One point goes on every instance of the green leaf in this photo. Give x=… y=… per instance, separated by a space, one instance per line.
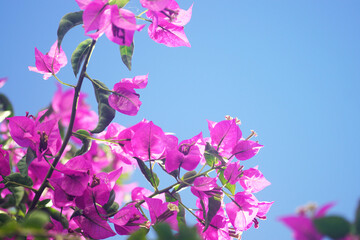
x=120 y=3
x=357 y=220
x=67 y=22
x=224 y=181
x=163 y=231
x=139 y=234
x=23 y=167
x=106 y=113
x=332 y=226
x=126 y=55
x=86 y=142
x=188 y=233
x=24 y=163
x=188 y=178
x=110 y=201
x=79 y=55
x=4 y=218
x=43 y=203
x=55 y=214
x=181 y=216
x=214 y=206
x=153 y=180
x=6 y=108
x=113 y=209
x=18 y=193
x=18 y=178
x=210 y=159
x=212 y=156
x=36 y=220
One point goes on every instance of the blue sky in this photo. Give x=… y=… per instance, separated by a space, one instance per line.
x=288 y=69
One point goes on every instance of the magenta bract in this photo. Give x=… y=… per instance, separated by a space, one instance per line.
x=49 y=63
x=246 y=149
x=148 y=142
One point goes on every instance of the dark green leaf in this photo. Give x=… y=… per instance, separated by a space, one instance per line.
x=18 y=193
x=30 y=156
x=86 y=142
x=110 y=201
x=37 y=220
x=23 y=167
x=357 y=220
x=171 y=197
x=332 y=226
x=188 y=233
x=224 y=181
x=139 y=234
x=106 y=113
x=152 y=178
x=67 y=22
x=4 y=218
x=79 y=55
x=181 y=216
x=120 y=3
x=112 y=210
x=18 y=178
x=126 y=55
x=163 y=231
x=24 y=163
x=188 y=178
x=43 y=203
x=6 y=108
x=55 y=214
x=214 y=206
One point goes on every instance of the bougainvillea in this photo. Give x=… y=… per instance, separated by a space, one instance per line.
x=62 y=169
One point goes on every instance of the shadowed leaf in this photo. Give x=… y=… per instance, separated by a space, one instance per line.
x=67 y=22
x=106 y=113
x=79 y=55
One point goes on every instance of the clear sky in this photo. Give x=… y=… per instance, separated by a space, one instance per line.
x=290 y=70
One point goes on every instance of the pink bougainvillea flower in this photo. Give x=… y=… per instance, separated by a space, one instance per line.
x=75 y=177
x=4 y=162
x=253 y=180
x=243 y=212
x=205 y=187
x=148 y=142
x=102 y=184
x=49 y=63
x=60 y=198
x=168 y=34
x=187 y=155
x=62 y=103
x=302 y=224
x=233 y=172
x=43 y=138
x=128 y=220
x=127 y=100
x=224 y=136
x=138 y=82
x=119 y=25
x=168 y=22
x=163 y=212
x=94 y=225
x=246 y=149
x=3 y=81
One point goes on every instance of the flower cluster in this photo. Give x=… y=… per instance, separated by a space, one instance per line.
x=70 y=163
